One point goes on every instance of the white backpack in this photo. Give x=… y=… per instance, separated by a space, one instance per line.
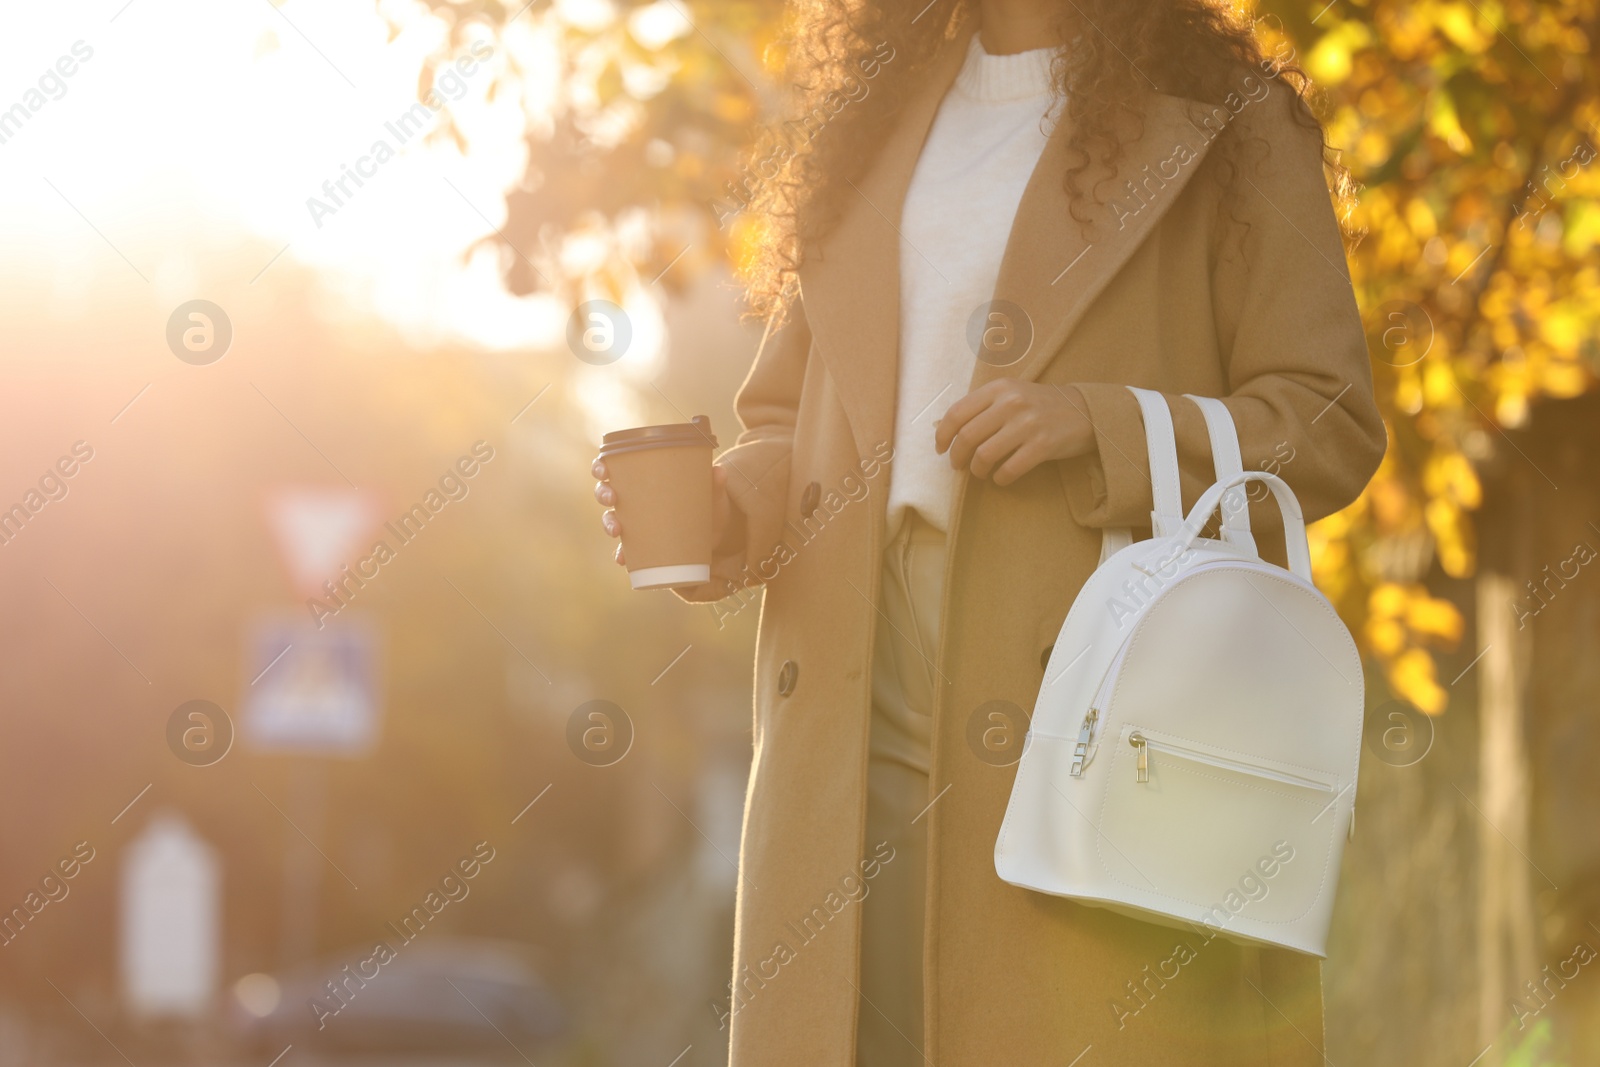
x=1191 y=760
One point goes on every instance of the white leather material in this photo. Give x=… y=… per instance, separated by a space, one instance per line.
x=1114 y=540
x=1165 y=489
x=1294 y=523
x=1246 y=692
x=1227 y=462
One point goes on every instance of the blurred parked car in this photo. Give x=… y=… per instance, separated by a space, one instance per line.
x=439 y=993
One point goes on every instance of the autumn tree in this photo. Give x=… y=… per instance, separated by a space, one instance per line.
x=1471 y=128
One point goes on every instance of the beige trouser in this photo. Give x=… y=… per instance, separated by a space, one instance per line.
x=903 y=687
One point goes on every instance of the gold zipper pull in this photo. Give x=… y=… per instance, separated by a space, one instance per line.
x=1080 y=751
x=1139 y=744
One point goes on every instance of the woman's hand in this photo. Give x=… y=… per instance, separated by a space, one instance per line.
x=607 y=496
x=1005 y=428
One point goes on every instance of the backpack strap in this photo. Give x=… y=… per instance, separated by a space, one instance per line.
x=1113 y=539
x=1228 y=464
x=1162 y=443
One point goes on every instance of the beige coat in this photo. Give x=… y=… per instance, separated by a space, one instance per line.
x=1266 y=320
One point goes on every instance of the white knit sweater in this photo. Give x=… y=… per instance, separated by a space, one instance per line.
x=978 y=156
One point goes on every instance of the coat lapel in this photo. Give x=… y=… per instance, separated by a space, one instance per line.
x=1053 y=269
x=850 y=284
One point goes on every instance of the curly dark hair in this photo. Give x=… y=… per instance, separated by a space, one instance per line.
x=1198 y=49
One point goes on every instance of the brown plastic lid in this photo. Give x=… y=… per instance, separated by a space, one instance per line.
x=673 y=435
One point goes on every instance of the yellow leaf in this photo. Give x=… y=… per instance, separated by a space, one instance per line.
x=1387 y=600
x=1564 y=378
x=1421 y=219
x=1445 y=523
x=1445 y=123
x=1450 y=474
x=1329 y=61
x=1564 y=329
x=1511 y=408
x=1461 y=24
x=1386 y=636
x=1412 y=676
x=1583 y=229
x=1439 y=381
x=1434 y=618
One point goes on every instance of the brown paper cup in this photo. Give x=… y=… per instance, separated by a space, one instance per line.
x=662 y=478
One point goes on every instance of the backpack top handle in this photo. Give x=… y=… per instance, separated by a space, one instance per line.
x=1296 y=548
x=1161 y=443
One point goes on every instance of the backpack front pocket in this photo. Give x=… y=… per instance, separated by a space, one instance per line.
x=1223 y=833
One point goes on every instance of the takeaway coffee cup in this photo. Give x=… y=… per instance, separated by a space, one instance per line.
x=662 y=478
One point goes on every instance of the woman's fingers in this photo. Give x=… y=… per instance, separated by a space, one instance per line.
x=1020 y=462
x=994 y=450
x=974 y=418
x=975 y=433
x=959 y=414
x=608 y=518
x=608 y=497
x=1006 y=428
x=614 y=528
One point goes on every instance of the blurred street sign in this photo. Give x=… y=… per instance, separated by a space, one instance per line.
x=320 y=530
x=309 y=691
x=171 y=920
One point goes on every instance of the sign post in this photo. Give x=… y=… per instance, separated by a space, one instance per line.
x=312 y=693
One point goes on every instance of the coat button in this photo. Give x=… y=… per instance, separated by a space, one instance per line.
x=1044 y=657
x=810 y=499
x=787 y=675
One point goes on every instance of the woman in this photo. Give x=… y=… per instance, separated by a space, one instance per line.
x=1005 y=212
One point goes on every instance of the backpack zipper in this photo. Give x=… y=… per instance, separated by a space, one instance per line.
x=1080 y=751
x=1083 y=751
x=1143 y=745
